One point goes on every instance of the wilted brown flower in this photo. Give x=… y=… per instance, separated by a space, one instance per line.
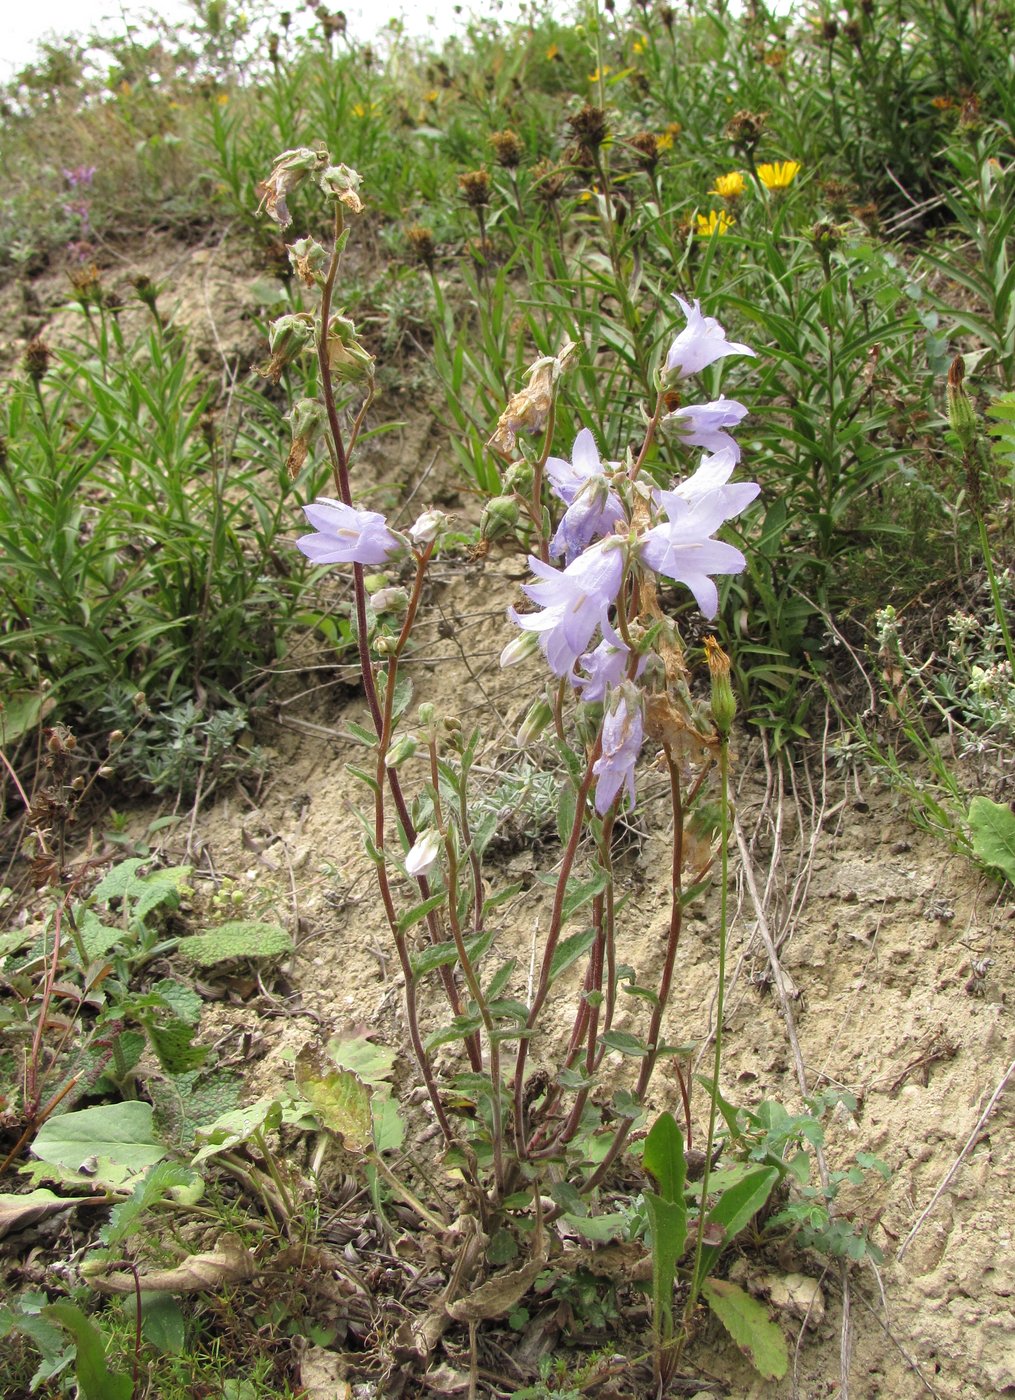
x=527 y=410
x=475 y=188
x=646 y=147
x=507 y=148
x=36 y=359
x=421 y=244
x=589 y=126
x=745 y=129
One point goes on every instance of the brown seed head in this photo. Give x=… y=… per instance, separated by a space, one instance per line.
x=829 y=30
x=646 y=147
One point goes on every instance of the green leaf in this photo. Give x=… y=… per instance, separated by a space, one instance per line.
x=171 y=1041
x=748 y=1323
x=600 y=1229
x=579 y=892
x=372 y=1063
x=443 y=954
x=569 y=950
x=736 y=1208
x=567 y=805
x=339 y=1098
x=162 y=1323
x=993 y=828
x=668 y=1222
x=94 y=1377
x=240 y=938
x=663 y=1157
x=230 y=1129
x=625 y=1042
x=388 y=1126
x=459 y=1029
x=120 y=1135
x=154 y=1186
x=418 y=912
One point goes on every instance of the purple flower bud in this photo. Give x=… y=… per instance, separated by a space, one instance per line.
x=701 y=425
x=345 y=535
x=623 y=733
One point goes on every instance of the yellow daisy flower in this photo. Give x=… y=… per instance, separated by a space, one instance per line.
x=716 y=222
x=779 y=175
x=730 y=186
x=600 y=73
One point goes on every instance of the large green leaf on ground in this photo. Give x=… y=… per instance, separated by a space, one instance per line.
x=748 y=1323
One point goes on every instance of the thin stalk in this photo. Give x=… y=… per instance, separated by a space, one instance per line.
x=713 y=1106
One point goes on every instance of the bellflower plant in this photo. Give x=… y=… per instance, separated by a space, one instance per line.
x=621 y=680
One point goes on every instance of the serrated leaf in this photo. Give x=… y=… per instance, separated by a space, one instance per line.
x=240 y=938
x=171 y=1041
x=993 y=829
x=154 y=1186
x=339 y=1098
x=120 y=1135
x=183 y=1001
x=748 y=1323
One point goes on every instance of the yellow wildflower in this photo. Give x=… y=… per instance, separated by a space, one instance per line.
x=639 y=46
x=718 y=221
x=552 y=52
x=779 y=175
x=600 y=73
x=730 y=186
x=431 y=96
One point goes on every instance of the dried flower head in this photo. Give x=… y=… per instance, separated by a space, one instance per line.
x=507 y=148
x=829 y=30
x=645 y=144
x=588 y=127
x=745 y=129
x=421 y=245
x=527 y=410
x=475 y=188
x=548 y=182
x=36 y=359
